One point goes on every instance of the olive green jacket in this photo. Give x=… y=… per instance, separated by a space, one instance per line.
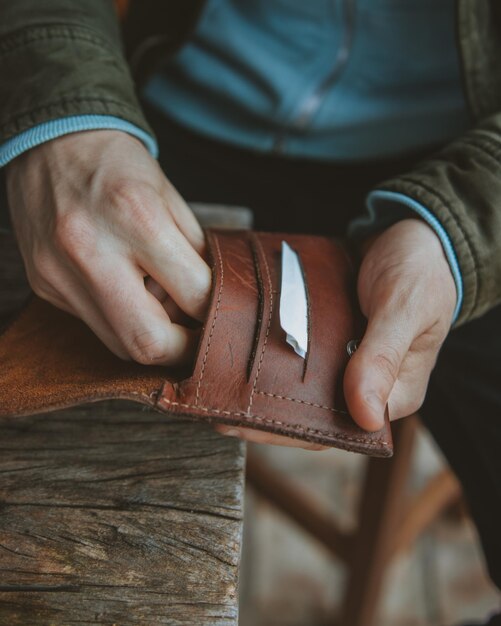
x=73 y=57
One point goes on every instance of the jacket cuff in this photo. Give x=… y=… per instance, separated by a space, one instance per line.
x=68 y=70
x=385 y=208
x=57 y=128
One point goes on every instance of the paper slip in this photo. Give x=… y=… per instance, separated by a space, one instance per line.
x=293 y=302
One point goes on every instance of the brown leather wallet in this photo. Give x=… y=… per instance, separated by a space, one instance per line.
x=244 y=374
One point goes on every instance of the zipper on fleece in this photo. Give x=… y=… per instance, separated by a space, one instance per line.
x=311 y=104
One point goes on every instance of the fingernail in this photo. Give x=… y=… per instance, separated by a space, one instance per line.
x=375 y=403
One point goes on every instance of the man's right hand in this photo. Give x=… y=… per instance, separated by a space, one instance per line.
x=94 y=216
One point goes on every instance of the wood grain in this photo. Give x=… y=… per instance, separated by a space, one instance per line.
x=110 y=514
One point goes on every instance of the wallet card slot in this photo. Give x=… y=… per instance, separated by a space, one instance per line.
x=266 y=271
x=332 y=315
x=276 y=363
x=283 y=374
x=220 y=374
x=260 y=308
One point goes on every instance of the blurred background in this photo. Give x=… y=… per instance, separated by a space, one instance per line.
x=290 y=579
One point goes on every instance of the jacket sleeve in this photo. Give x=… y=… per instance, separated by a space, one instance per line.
x=461 y=187
x=62 y=58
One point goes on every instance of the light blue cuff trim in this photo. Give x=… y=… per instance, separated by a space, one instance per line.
x=56 y=128
x=380 y=201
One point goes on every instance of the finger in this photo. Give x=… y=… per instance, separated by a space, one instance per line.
x=170 y=259
x=137 y=317
x=176 y=315
x=259 y=436
x=186 y=220
x=155 y=289
x=409 y=391
x=374 y=369
x=67 y=293
x=71 y=296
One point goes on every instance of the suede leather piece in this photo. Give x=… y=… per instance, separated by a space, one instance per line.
x=50 y=360
x=244 y=374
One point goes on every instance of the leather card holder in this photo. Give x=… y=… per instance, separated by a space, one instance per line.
x=244 y=373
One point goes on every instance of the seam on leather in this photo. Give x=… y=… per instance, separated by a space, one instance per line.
x=258 y=243
x=211 y=332
x=445 y=204
x=254 y=391
x=134 y=396
x=260 y=308
x=299 y=401
x=314 y=431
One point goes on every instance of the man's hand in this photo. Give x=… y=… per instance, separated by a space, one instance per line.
x=407 y=292
x=94 y=216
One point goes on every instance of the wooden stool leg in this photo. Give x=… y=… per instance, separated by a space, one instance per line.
x=380 y=510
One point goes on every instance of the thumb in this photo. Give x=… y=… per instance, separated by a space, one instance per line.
x=373 y=370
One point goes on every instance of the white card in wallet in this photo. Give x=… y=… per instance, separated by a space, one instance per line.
x=293 y=302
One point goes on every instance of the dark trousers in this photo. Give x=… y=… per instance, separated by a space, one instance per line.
x=463 y=406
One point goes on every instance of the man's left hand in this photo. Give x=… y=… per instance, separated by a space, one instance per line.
x=407 y=293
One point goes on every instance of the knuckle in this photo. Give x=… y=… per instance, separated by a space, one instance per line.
x=132 y=204
x=407 y=402
x=43 y=289
x=121 y=188
x=71 y=235
x=410 y=408
x=149 y=348
x=419 y=399
x=416 y=405
x=200 y=290
x=43 y=274
x=200 y=301
x=40 y=289
x=42 y=266
x=387 y=361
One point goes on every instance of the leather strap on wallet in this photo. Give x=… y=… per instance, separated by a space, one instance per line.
x=245 y=373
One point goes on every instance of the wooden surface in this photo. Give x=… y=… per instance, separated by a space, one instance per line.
x=110 y=514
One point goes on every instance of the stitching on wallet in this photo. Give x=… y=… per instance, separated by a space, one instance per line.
x=82 y=400
x=258 y=418
x=268 y=325
x=318 y=406
x=220 y=291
